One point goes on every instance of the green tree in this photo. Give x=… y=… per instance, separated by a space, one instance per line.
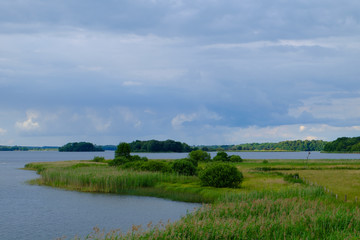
x=123 y=150
x=199 y=156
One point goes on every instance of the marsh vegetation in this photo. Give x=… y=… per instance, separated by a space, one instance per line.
x=277 y=199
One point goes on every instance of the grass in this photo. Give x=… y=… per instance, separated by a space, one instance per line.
x=287 y=214
x=267 y=206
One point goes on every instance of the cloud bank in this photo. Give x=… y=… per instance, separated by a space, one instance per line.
x=203 y=72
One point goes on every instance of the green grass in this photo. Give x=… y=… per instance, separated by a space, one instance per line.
x=265 y=207
x=307 y=213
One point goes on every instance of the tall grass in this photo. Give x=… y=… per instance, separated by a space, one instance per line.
x=299 y=214
x=104 y=179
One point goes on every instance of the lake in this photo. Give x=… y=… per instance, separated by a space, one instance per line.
x=38 y=212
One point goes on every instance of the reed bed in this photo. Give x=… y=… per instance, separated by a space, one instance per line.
x=300 y=214
x=104 y=179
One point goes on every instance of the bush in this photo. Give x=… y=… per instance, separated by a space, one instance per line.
x=221 y=157
x=199 y=156
x=221 y=175
x=235 y=158
x=134 y=165
x=119 y=161
x=156 y=166
x=265 y=162
x=184 y=167
x=98 y=159
x=294 y=178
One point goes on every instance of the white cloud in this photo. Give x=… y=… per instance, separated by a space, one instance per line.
x=127 y=116
x=99 y=123
x=29 y=124
x=302 y=128
x=203 y=115
x=179 y=119
x=331 y=43
x=2 y=131
x=131 y=83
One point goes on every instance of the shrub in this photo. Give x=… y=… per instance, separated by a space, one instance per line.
x=294 y=178
x=156 y=166
x=184 y=167
x=235 y=158
x=220 y=174
x=265 y=162
x=199 y=156
x=221 y=157
x=119 y=161
x=98 y=159
x=134 y=165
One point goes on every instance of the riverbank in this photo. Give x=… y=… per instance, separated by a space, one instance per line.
x=267 y=206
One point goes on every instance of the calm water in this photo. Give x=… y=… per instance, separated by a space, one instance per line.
x=37 y=212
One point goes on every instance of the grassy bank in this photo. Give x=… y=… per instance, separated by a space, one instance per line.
x=307 y=213
x=267 y=206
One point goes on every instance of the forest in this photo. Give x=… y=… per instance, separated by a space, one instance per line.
x=343 y=144
x=80 y=147
x=296 y=145
x=159 y=146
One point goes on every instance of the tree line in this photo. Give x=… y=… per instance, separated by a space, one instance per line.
x=343 y=144
x=80 y=147
x=296 y=145
x=159 y=146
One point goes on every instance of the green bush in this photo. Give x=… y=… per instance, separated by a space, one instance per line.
x=98 y=159
x=220 y=175
x=156 y=166
x=134 y=165
x=119 y=161
x=199 y=156
x=221 y=157
x=235 y=158
x=184 y=167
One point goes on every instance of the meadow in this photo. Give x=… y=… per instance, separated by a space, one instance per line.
x=268 y=205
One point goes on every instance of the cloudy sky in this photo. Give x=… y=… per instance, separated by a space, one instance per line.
x=197 y=71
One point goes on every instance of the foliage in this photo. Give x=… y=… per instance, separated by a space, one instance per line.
x=159 y=146
x=343 y=144
x=184 y=167
x=156 y=166
x=14 y=148
x=235 y=158
x=98 y=159
x=221 y=157
x=80 y=147
x=297 y=145
x=294 y=178
x=123 y=150
x=220 y=175
x=199 y=156
x=291 y=214
x=119 y=161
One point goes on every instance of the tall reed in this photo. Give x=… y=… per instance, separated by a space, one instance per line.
x=300 y=214
x=104 y=179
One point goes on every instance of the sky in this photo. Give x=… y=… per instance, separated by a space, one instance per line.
x=200 y=71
